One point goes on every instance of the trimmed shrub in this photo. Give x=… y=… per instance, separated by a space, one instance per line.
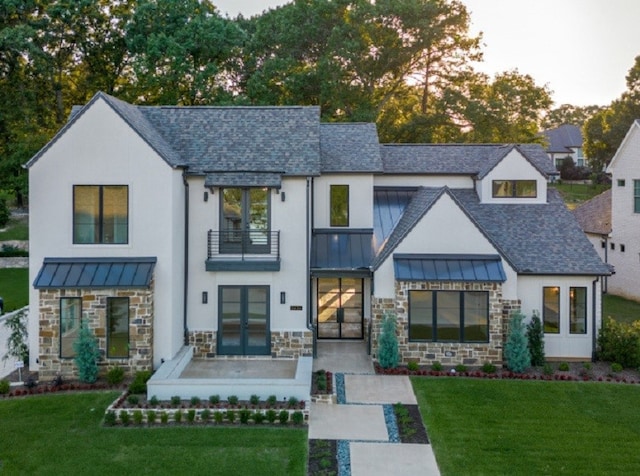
x=517 y=349
x=436 y=366
x=271 y=415
x=177 y=416
x=388 y=355
x=244 y=416
x=5 y=387
x=110 y=418
x=283 y=417
x=139 y=384
x=137 y=417
x=115 y=375
x=151 y=417
x=87 y=354
x=205 y=415
x=620 y=342
x=297 y=418
x=214 y=399
x=535 y=339
x=124 y=417
x=488 y=368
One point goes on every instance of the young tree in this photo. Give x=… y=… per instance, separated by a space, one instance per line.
x=87 y=354
x=516 y=350
x=17 y=342
x=388 y=346
x=535 y=338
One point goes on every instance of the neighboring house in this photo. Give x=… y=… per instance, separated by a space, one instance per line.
x=624 y=242
x=256 y=230
x=565 y=141
x=594 y=217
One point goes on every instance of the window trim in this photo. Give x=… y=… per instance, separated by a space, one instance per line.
x=461 y=318
x=100 y=217
x=636 y=196
x=573 y=309
x=544 y=310
x=514 y=188
x=110 y=300
x=333 y=218
x=60 y=339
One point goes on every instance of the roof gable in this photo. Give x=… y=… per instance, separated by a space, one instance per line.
x=633 y=129
x=349 y=147
x=563 y=139
x=594 y=216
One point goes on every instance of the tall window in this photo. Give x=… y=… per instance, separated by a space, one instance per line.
x=100 y=214
x=117 y=327
x=551 y=309
x=449 y=316
x=514 y=189
x=70 y=316
x=578 y=310
x=636 y=196
x=244 y=217
x=339 y=205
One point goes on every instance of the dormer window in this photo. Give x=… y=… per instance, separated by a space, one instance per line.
x=514 y=189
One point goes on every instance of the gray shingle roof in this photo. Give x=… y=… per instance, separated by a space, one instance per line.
x=243 y=179
x=594 y=216
x=457 y=159
x=349 y=147
x=563 y=138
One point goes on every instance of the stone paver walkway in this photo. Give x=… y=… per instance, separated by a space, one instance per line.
x=358 y=422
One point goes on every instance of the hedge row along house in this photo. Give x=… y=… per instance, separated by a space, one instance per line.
x=244 y=231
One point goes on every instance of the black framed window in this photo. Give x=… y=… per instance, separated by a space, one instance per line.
x=514 y=189
x=551 y=309
x=578 y=310
x=70 y=321
x=117 y=327
x=245 y=215
x=636 y=196
x=100 y=214
x=339 y=203
x=449 y=316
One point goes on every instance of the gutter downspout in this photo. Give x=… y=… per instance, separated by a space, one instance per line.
x=593 y=312
x=186 y=255
x=309 y=224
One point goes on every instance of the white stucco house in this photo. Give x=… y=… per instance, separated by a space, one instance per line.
x=244 y=231
x=624 y=242
x=565 y=141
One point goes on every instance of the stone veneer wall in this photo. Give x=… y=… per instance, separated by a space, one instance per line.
x=447 y=353
x=94 y=305
x=284 y=344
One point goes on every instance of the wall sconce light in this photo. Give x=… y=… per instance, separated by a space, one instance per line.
x=283 y=297
x=282 y=196
x=206 y=196
x=205 y=297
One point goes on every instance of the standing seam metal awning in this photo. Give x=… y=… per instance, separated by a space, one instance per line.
x=436 y=267
x=66 y=273
x=341 y=252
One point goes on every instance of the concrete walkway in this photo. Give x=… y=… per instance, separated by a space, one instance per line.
x=361 y=420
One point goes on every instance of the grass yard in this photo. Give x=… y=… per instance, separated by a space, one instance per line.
x=14 y=288
x=522 y=427
x=16 y=229
x=576 y=193
x=621 y=309
x=61 y=434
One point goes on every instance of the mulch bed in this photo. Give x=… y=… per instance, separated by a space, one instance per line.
x=410 y=424
x=323 y=459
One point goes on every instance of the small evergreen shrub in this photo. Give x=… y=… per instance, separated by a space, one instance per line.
x=195 y=401
x=563 y=367
x=258 y=417
x=232 y=399
x=231 y=415
x=133 y=399
x=620 y=342
x=488 y=368
x=154 y=401
x=164 y=418
x=297 y=418
x=616 y=367
x=272 y=400
x=244 y=415
x=137 y=417
x=124 y=417
x=205 y=415
x=292 y=402
x=413 y=366
x=87 y=354
x=214 y=399
x=547 y=369
x=177 y=416
x=191 y=415
x=151 y=417
x=175 y=400
x=587 y=365
x=5 y=387
x=218 y=417
x=461 y=368
x=517 y=348
x=436 y=366
x=388 y=355
x=535 y=339
x=254 y=399
x=110 y=418
x=283 y=417
x=271 y=415
x=139 y=384
x=115 y=375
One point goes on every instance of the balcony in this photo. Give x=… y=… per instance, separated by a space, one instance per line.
x=236 y=250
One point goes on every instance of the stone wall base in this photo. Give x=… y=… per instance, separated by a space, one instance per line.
x=284 y=344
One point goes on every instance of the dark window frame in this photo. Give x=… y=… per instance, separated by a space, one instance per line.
x=237 y=240
x=513 y=184
x=338 y=217
x=109 y=332
x=99 y=234
x=462 y=313
x=545 y=320
x=573 y=309
x=636 y=196
x=61 y=337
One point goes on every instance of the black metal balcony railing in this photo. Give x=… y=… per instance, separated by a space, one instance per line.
x=241 y=245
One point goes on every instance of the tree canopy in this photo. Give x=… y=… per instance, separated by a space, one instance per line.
x=406 y=65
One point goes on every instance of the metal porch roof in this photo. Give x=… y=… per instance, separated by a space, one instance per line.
x=435 y=267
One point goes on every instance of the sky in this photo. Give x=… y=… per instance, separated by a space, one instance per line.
x=581 y=49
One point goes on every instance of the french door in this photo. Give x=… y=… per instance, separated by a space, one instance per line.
x=244 y=218
x=340 y=308
x=243 y=320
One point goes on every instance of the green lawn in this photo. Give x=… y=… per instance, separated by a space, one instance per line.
x=16 y=229
x=61 y=434
x=621 y=309
x=575 y=194
x=516 y=427
x=14 y=288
